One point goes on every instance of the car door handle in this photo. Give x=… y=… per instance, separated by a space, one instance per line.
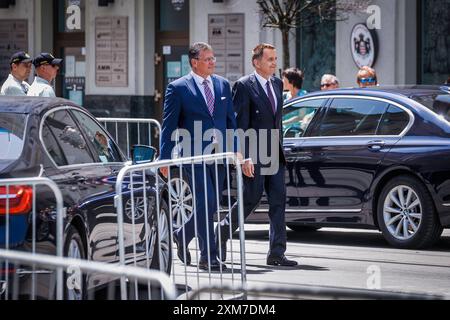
x=376 y=145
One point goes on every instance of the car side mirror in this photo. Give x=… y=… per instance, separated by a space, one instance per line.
x=143 y=154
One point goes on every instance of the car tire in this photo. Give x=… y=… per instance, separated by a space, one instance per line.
x=406 y=214
x=74 y=287
x=181 y=199
x=300 y=228
x=165 y=235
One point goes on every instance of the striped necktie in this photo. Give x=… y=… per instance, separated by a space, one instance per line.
x=209 y=97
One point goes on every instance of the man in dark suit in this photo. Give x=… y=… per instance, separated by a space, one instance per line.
x=258 y=102
x=198 y=103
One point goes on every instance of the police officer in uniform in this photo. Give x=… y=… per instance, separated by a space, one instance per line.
x=15 y=85
x=47 y=67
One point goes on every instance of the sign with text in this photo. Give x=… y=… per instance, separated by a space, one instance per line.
x=14 y=37
x=226 y=36
x=111 y=51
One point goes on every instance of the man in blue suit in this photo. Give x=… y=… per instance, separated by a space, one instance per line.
x=199 y=103
x=258 y=102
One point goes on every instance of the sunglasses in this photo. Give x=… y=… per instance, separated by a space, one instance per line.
x=367 y=80
x=327 y=85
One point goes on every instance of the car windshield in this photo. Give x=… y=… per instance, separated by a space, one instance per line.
x=438 y=103
x=12 y=134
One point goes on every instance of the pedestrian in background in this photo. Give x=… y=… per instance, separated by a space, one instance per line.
x=366 y=77
x=292 y=83
x=329 y=82
x=16 y=85
x=47 y=67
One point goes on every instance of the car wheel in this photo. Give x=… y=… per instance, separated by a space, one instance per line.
x=181 y=200
x=406 y=214
x=300 y=228
x=74 y=282
x=163 y=234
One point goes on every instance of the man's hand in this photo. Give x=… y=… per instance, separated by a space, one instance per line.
x=248 y=169
x=164 y=171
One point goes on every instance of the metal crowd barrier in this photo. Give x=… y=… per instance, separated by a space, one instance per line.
x=140 y=190
x=77 y=270
x=313 y=293
x=22 y=225
x=138 y=131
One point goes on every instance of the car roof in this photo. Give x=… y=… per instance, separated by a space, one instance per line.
x=407 y=91
x=27 y=105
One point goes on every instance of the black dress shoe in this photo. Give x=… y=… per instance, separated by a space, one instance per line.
x=215 y=265
x=222 y=250
x=281 y=261
x=180 y=251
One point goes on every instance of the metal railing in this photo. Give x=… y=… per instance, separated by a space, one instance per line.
x=77 y=270
x=138 y=131
x=143 y=199
x=21 y=219
x=299 y=292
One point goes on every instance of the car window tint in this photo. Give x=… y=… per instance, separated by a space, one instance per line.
x=394 y=121
x=69 y=138
x=52 y=146
x=298 y=116
x=352 y=117
x=105 y=149
x=12 y=135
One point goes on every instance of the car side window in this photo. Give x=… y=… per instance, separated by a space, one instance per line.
x=352 y=117
x=298 y=116
x=394 y=122
x=105 y=149
x=69 y=138
x=52 y=146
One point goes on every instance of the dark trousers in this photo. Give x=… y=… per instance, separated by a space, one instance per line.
x=275 y=188
x=205 y=195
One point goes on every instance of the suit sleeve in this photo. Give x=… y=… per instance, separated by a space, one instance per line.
x=172 y=110
x=241 y=103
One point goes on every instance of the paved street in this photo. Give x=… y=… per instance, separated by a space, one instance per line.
x=341 y=258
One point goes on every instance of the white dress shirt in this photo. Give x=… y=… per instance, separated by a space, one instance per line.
x=199 y=81
x=41 y=88
x=263 y=82
x=13 y=87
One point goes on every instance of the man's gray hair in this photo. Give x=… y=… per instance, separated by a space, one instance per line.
x=196 y=48
x=329 y=78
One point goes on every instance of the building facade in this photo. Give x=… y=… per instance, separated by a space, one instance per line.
x=121 y=54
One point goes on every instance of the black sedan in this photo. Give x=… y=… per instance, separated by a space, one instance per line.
x=56 y=139
x=365 y=158
x=371 y=158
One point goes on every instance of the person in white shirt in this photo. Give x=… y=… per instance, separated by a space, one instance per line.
x=47 y=67
x=15 y=85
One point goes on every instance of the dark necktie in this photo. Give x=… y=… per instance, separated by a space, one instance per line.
x=209 y=97
x=271 y=98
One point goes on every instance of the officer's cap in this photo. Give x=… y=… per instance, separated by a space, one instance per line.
x=46 y=59
x=20 y=57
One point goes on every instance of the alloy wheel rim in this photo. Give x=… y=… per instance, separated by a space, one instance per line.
x=181 y=202
x=74 y=292
x=164 y=236
x=402 y=212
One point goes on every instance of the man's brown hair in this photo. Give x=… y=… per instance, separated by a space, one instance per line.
x=258 y=52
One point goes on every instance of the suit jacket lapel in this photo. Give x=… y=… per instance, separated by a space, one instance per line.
x=217 y=93
x=262 y=95
x=196 y=93
x=279 y=97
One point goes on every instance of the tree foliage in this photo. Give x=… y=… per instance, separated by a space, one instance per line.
x=286 y=15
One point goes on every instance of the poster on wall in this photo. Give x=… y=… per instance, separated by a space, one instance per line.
x=14 y=37
x=111 y=51
x=226 y=36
